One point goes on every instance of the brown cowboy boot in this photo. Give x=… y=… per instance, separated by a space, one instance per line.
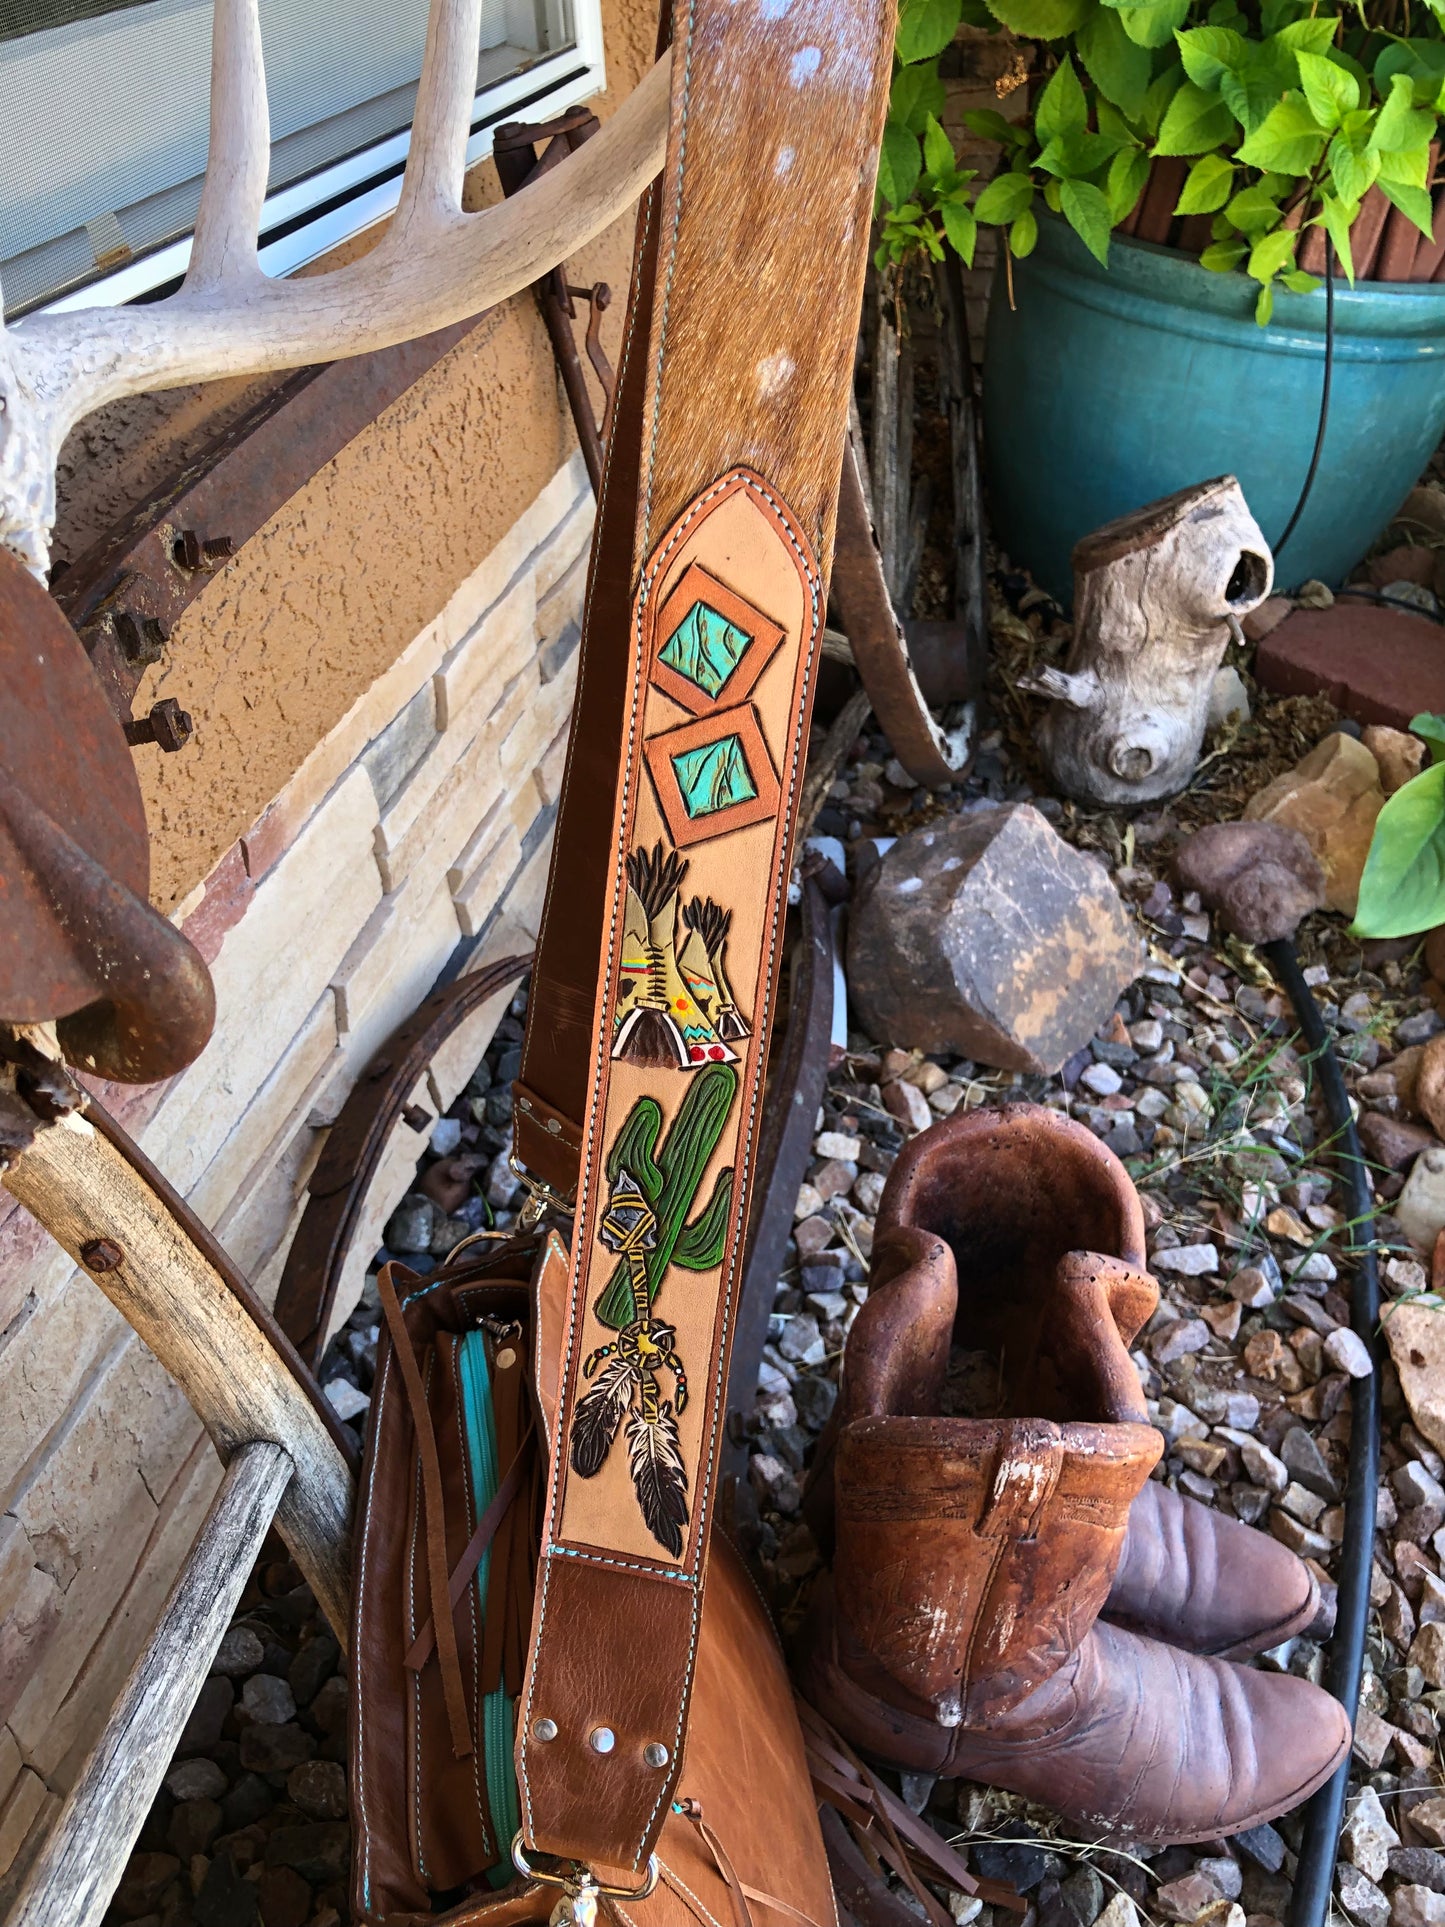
x=973 y=1556
x=1188 y=1574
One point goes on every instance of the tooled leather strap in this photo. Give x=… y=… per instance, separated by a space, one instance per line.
x=652 y=999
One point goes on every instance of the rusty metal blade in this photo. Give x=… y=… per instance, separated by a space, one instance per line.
x=79 y=942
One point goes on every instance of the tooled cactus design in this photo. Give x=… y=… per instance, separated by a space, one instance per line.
x=668 y=1175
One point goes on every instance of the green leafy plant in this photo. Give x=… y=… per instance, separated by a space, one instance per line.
x=1287 y=114
x=1402 y=890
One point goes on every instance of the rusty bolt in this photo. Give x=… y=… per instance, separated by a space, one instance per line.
x=141 y=637
x=167 y=724
x=191 y=552
x=416 y=1117
x=101 y=1254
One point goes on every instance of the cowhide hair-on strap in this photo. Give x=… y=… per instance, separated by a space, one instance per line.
x=653 y=993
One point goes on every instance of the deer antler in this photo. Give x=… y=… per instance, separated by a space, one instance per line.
x=435 y=264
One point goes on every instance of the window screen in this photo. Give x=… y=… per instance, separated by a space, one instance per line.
x=104 y=108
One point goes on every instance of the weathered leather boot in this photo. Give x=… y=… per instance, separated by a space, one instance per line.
x=1187 y=1574
x=973 y=1556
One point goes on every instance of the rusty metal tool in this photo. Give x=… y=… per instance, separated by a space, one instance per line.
x=79 y=941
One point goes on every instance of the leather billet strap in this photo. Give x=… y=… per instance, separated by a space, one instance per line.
x=652 y=997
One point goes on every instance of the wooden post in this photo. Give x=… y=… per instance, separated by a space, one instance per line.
x=101 y=1210
x=1157 y=595
x=84 y=1856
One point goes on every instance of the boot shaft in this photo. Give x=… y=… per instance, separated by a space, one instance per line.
x=973 y=1554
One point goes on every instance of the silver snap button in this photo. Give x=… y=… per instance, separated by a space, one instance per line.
x=554 y=1127
x=655 y=1753
x=602 y=1739
x=544 y=1729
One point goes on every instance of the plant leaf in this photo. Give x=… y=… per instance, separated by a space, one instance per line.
x=1154 y=25
x=1264 y=306
x=1401 y=125
x=1128 y=174
x=917 y=93
x=1220 y=256
x=1414 y=203
x=1352 y=172
x=925 y=27
x=1298 y=282
x=1206 y=187
x=1194 y=122
x=1087 y=212
x=1289 y=140
x=1310 y=35
x=899 y=164
x=1254 y=210
x=1209 y=53
x=1431 y=731
x=1023 y=235
x=1004 y=199
x=1337 y=217
x=1061 y=108
x=991 y=126
x=1118 y=67
x=1330 y=91
x=1040 y=19
x=1253 y=88
x=961 y=227
x=1402 y=890
x=938 y=156
x=1272 y=253
x=1410 y=167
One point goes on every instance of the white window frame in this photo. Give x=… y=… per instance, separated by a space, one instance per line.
x=547 y=88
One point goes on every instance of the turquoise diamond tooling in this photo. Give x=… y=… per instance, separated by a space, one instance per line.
x=713 y=777
x=705 y=648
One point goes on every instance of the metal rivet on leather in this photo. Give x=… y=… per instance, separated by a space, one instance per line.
x=544 y=1729
x=602 y=1739
x=655 y=1753
x=554 y=1127
x=506 y=1357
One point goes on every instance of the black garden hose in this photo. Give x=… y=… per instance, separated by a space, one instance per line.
x=1313 y=469
x=1314 y=1874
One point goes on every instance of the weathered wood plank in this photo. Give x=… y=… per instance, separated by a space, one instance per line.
x=85 y=1193
x=85 y=1855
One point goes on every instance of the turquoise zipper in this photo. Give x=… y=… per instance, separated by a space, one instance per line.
x=479 y=1424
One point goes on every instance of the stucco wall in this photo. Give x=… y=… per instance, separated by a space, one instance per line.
x=321 y=600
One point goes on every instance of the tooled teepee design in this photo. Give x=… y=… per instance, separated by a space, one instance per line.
x=703 y=962
x=659 y=1021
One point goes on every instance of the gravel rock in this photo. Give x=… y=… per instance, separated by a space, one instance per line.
x=1186 y=1261
x=319 y=1851
x=1348 y=1353
x=1420 y=1866
x=240 y=1652
x=409 y=1229
x=1190 y=1897
x=348 y=1401
x=318 y=1787
x=1367 y=1836
x=1412 y=1906
x=802 y=1341
x=1252 y=1287
x=268 y=1700
x=1361 y=1899
x=275 y=1749
x=1305 y=1462
x=195 y=1780
x=908 y=1104
x=1262 y=879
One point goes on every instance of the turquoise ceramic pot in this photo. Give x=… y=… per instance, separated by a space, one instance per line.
x=1105 y=388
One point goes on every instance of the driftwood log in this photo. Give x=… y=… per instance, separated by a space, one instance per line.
x=1157 y=596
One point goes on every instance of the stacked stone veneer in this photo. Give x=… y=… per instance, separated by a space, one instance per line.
x=416 y=833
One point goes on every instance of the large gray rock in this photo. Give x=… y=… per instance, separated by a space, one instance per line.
x=989 y=936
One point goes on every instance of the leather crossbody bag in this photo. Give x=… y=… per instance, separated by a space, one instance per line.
x=535 y=1580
